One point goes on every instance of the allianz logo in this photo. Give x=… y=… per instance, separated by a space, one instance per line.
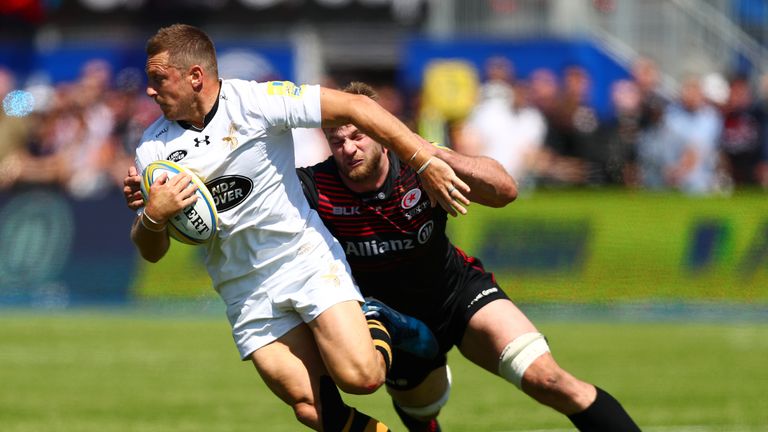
x=377 y=247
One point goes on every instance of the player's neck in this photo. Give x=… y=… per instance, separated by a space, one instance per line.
x=205 y=103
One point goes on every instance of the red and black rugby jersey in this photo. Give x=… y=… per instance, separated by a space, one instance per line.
x=395 y=241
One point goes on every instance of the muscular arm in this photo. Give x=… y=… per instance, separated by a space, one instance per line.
x=340 y=108
x=151 y=244
x=167 y=197
x=490 y=183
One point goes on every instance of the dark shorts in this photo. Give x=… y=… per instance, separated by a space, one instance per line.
x=479 y=289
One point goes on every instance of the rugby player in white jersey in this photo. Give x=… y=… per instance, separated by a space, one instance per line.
x=294 y=309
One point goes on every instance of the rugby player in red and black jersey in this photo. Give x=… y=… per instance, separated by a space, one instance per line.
x=396 y=245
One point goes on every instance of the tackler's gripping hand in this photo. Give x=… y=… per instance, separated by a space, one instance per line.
x=443 y=186
x=408 y=333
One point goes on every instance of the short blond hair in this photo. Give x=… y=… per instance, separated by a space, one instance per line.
x=186 y=46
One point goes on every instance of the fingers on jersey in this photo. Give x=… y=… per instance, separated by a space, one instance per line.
x=408 y=333
x=518 y=355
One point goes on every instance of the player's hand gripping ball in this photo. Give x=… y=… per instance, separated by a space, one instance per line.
x=194 y=225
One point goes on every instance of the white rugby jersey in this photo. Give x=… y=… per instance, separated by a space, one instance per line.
x=244 y=154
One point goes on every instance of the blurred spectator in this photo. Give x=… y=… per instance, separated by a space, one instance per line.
x=645 y=74
x=744 y=133
x=648 y=153
x=762 y=105
x=716 y=89
x=14 y=131
x=621 y=133
x=59 y=125
x=574 y=124
x=486 y=129
x=498 y=80
x=685 y=153
x=544 y=93
x=90 y=157
x=510 y=132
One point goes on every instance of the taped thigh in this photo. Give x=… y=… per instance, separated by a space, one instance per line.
x=519 y=354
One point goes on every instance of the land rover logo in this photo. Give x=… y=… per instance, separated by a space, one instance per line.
x=177 y=155
x=229 y=191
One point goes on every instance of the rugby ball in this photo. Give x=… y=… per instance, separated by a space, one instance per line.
x=194 y=225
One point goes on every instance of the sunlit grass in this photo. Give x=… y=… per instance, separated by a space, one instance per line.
x=119 y=371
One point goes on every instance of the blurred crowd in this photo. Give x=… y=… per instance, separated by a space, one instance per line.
x=79 y=136
x=708 y=137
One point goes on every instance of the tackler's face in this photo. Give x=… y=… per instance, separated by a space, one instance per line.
x=169 y=86
x=357 y=155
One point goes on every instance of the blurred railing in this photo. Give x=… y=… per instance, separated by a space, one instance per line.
x=722 y=32
x=681 y=35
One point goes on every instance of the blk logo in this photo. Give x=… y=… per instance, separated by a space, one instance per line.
x=205 y=140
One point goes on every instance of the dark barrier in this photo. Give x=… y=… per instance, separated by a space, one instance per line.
x=57 y=251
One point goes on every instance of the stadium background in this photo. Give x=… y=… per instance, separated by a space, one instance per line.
x=596 y=259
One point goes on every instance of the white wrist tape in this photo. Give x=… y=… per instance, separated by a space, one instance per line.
x=519 y=354
x=152 y=221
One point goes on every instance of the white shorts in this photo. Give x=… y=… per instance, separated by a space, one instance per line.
x=297 y=292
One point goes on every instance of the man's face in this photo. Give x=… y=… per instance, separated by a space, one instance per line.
x=169 y=87
x=691 y=95
x=357 y=156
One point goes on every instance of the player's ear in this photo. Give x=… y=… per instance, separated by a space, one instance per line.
x=196 y=76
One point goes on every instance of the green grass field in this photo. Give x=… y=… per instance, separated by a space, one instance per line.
x=142 y=371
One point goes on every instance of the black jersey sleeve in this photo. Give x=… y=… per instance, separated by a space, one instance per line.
x=307 y=178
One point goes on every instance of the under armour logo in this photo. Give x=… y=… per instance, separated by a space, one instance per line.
x=205 y=140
